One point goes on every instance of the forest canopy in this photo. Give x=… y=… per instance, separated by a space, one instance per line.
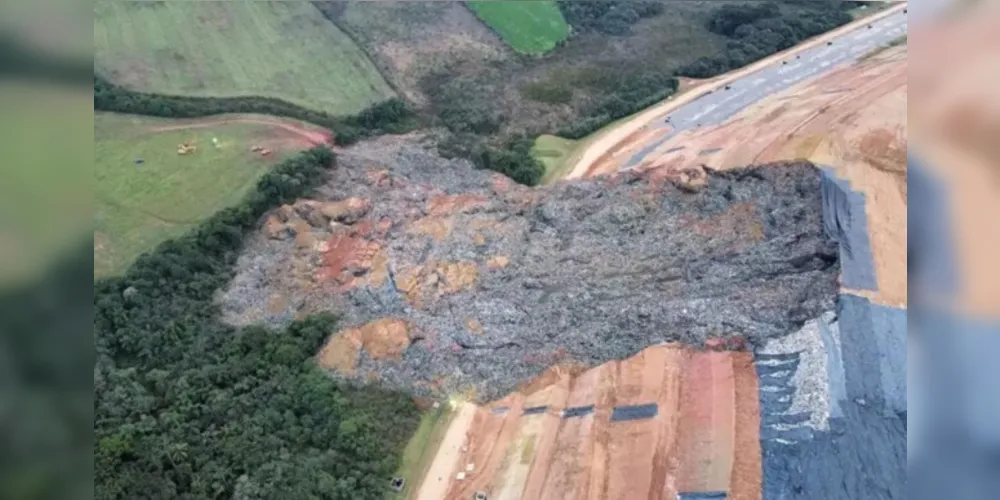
x=188 y=407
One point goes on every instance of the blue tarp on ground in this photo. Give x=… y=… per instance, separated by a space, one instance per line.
x=633 y=412
x=705 y=495
x=499 y=410
x=863 y=455
x=846 y=221
x=863 y=452
x=873 y=341
x=535 y=410
x=578 y=411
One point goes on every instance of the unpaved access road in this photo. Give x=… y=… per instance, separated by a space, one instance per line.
x=311 y=133
x=712 y=104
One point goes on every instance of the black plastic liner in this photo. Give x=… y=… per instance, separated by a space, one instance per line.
x=634 y=412
x=846 y=221
x=578 y=411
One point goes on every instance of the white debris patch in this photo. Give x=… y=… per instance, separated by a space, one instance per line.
x=811 y=379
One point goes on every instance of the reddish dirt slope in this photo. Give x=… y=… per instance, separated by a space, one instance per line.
x=704 y=415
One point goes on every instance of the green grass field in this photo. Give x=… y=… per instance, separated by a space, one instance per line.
x=286 y=50
x=560 y=154
x=529 y=27
x=140 y=205
x=553 y=152
x=421 y=449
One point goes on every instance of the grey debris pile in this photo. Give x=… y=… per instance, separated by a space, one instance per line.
x=500 y=282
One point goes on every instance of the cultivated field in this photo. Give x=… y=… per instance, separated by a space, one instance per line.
x=286 y=50
x=529 y=27
x=146 y=192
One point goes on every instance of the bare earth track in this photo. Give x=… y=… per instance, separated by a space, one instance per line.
x=310 y=133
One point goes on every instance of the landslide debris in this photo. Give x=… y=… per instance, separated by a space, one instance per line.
x=451 y=279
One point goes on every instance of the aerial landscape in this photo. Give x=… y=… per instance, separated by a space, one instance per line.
x=500 y=250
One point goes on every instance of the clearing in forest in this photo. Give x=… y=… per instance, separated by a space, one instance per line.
x=286 y=50
x=529 y=27
x=146 y=190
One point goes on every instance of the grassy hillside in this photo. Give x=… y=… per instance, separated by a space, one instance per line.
x=553 y=152
x=286 y=50
x=141 y=204
x=529 y=27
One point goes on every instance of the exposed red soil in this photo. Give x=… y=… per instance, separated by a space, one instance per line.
x=745 y=480
x=705 y=436
x=568 y=473
x=707 y=423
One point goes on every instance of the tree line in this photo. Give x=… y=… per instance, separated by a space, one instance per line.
x=633 y=93
x=610 y=17
x=390 y=116
x=756 y=31
x=188 y=407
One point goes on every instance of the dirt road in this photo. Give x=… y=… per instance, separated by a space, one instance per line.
x=314 y=135
x=439 y=476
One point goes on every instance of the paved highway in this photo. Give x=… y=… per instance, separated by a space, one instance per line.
x=718 y=106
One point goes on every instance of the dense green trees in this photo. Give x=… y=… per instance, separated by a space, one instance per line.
x=633 y=93
x=727 y=18
x=756 y=31
x=610 y=17
x=514 y=161
x=188 y=407
x=390 y=116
